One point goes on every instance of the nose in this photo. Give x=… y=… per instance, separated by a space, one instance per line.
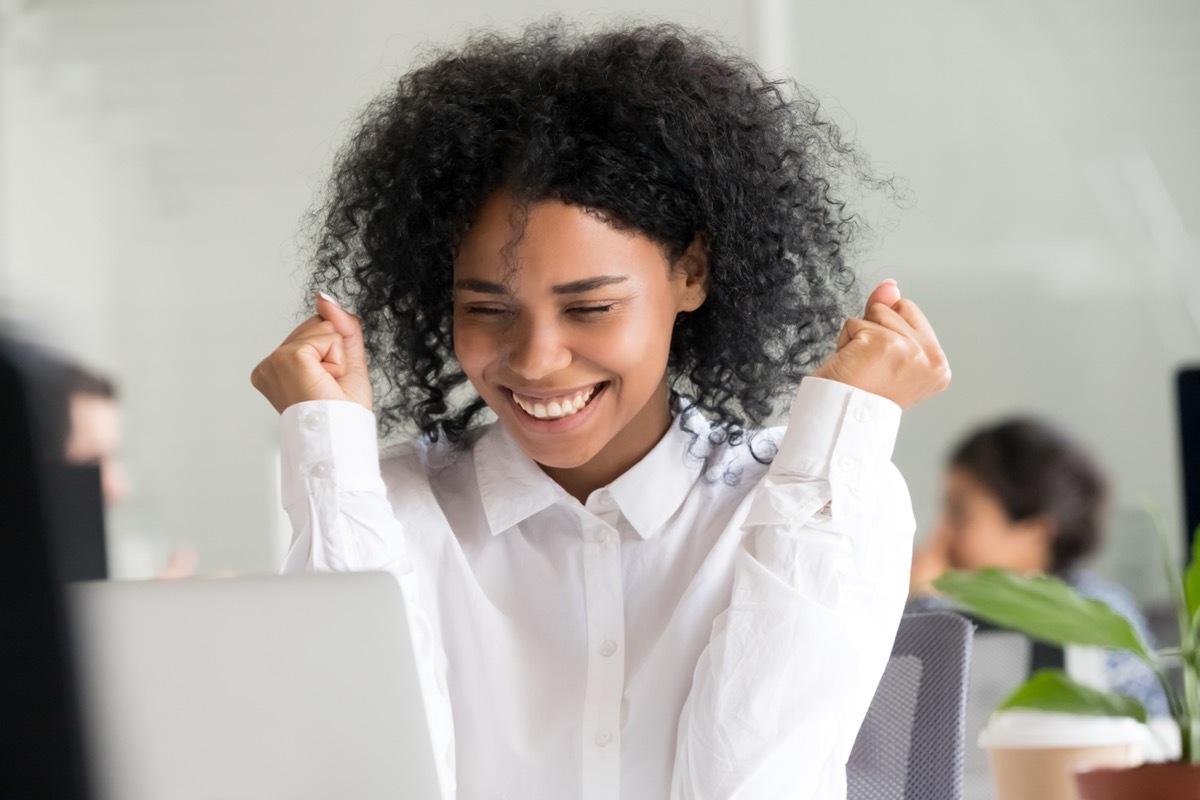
x=537 y=349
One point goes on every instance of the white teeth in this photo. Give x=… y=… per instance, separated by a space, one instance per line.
x=558 y=407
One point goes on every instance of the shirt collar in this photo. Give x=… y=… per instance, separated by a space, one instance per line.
x=651 y=491
x=513 y=487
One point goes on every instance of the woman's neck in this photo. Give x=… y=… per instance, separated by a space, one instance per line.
x=624 y=450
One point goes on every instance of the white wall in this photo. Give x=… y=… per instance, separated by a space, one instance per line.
x=156 y=157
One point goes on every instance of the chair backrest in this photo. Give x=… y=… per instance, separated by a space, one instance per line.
x=911 y=743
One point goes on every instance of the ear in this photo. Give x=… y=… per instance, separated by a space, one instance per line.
x=693 y=265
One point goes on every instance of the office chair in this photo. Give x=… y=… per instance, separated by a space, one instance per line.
x=910 y=746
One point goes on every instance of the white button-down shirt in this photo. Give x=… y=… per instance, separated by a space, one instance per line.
x=703 y=627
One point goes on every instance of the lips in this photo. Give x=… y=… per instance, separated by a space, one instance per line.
x=550 y=407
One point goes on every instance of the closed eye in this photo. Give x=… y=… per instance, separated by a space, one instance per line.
x=486 y=311
x=588 y=310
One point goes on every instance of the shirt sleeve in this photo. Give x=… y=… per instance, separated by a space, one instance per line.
x=342 y=521
x=819 y=585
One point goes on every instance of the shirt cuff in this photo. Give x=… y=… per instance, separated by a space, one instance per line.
x=837 y=437
x=328 y=444
x=832 y=421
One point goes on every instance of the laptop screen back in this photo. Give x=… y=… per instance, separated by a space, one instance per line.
x=293 y=687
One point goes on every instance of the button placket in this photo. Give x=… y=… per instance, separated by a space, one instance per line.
x=605 y=686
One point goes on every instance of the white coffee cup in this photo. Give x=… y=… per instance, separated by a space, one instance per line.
x=1035 y=754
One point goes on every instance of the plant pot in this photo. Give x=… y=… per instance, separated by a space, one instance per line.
x=1169 y=781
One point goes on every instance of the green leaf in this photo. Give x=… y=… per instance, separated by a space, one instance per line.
x=1053 y=690
x=1191 y=579
x=1042 y=608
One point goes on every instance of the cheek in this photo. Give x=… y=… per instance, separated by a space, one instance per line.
x=638 y=347
x=971 y=546
x=473 y=349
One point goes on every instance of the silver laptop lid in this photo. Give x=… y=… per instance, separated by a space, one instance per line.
x=276 y=687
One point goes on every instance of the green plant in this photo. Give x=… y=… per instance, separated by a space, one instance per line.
x=1049 y=610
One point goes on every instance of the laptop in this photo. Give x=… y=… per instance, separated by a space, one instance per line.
x=300 y=686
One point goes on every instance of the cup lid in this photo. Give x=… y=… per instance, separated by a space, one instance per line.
x=1026 y=728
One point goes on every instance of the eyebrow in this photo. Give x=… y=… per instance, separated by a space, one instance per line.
x=574 y=287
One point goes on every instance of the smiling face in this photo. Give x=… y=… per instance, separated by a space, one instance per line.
x=565 y=334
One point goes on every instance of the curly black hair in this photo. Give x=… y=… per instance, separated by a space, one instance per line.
x=654 y=128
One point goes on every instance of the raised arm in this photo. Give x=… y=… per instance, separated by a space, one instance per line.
x=821 y=578
x=333 y=492
x=317 y=379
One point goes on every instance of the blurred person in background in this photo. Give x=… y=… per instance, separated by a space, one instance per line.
x=93 y=431
x=93 y=438
x=79 y=417
x=1023 y=495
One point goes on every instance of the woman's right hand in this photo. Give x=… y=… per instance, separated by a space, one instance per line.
x=322 y=359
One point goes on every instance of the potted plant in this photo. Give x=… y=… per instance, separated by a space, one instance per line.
x=1049 y=610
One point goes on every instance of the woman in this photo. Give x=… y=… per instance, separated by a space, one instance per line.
x=1022 y=495
x=624 y=248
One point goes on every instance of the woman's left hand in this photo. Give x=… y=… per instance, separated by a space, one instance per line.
x=892 y=351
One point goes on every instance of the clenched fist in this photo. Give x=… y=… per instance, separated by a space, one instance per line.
x=892 y=351
x=322 y=359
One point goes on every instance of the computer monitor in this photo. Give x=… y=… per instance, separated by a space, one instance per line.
x=1188 y=387
x=41 y=741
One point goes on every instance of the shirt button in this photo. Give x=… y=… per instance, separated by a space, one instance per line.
x=608 y=647
x=846 y=464
x=322 y=469
x=599 y=535
x=861 y=414
x=603 y=739
x=312 y=420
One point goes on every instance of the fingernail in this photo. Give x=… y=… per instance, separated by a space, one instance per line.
x=892 y=281
x=329 y=298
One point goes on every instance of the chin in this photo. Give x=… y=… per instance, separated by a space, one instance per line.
x=560 y=457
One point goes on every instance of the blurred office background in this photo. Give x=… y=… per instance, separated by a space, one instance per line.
x=157 y=158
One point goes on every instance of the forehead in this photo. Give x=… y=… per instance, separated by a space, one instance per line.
x=964 y=488
x=962 y=484
x=550 y=241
